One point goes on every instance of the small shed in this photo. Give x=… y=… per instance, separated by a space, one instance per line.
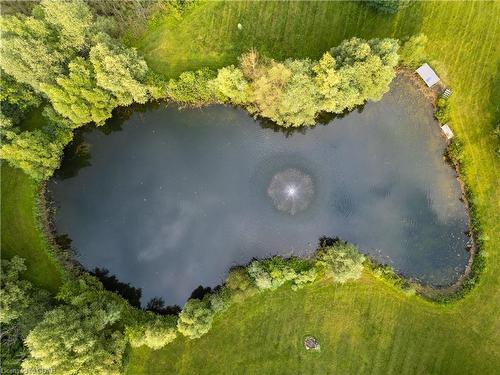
x=447 y=131
x=428 y=75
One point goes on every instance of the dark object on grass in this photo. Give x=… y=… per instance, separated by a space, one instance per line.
x=388 y=6
x=310 y=343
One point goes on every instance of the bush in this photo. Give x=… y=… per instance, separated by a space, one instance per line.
x=342 y=261
x=412 y=53
x=304 y=277
x=195 y=319
x=22 y=306
x=230 y=86
x=388 y=6
x=15 y=294
x=154 y=332
x=239 y=284
x=73 y=340
x=192 y=88
x=443 y=110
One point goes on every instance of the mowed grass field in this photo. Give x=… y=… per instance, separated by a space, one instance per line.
x=366 y=326
x=20 y=229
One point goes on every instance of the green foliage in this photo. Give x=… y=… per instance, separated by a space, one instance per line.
x=29 y=51
x=304 y=277
x=260 y=276
x=230 y=86
x=15 y=294
x=34 y=152
x=70 y=19
x=388 y=6
x=293 y=92
x=155 y=331
x=240 y=284
x=443 y=110
x=78 y=97
x=63 y=53
x=15 y=99
x=120 y=71
x=341 y=261
x=192 y=88
x=354 y=72
x=76 y=340
x=21 y=308
x=195 y=319
x=285 y=93
x=413 y=51
x=82 y=336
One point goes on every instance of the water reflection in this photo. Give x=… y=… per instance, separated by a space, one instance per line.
x=176 y=198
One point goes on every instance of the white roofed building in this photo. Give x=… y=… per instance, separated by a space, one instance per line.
x=428 y=75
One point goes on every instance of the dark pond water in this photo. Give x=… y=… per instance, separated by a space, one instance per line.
x=177 y=197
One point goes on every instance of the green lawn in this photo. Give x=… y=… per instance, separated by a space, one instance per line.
x=363 y=327
x=367 y=326
x=20 y=229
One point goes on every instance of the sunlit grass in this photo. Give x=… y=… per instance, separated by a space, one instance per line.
x=365 y=327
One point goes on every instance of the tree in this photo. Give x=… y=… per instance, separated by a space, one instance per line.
x=342 y=261
x=354 y=72
x=29 y=51
x=111 y=283
x=195 y=319
x=72 y=340
x=22 y=306
x=15 y=294
x=285 y=93
x=153 y=331
x=443 y=110
x=82 y=336
x=120 y=71
x=240 y=284
x=192 y=88
x=72 y=19
x=157 y=305
x=389 y=6
x=260 y=276
x=250 y=64
x=77 y=95
x=230 y=85
x=412 y=53
x=34 y=152
x=16 y=98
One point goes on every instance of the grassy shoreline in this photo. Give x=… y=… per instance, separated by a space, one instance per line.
x=367 y=326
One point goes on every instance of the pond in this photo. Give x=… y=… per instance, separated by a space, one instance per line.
x=175 y=198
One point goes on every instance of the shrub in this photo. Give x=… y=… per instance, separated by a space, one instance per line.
x=230 y=86
x=443 y=110
x=15 y=294
x=388 y=6
x=239 y=284
x=192 y=88
x=342 y=261
x=304 y=277
x=195 y=319
x=412 y=53
x=260 y=276
x=154 y=332
x=73 y=340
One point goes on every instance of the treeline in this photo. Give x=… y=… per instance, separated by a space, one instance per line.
x=293 y=93
x=88 y=329
x=64 y=56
